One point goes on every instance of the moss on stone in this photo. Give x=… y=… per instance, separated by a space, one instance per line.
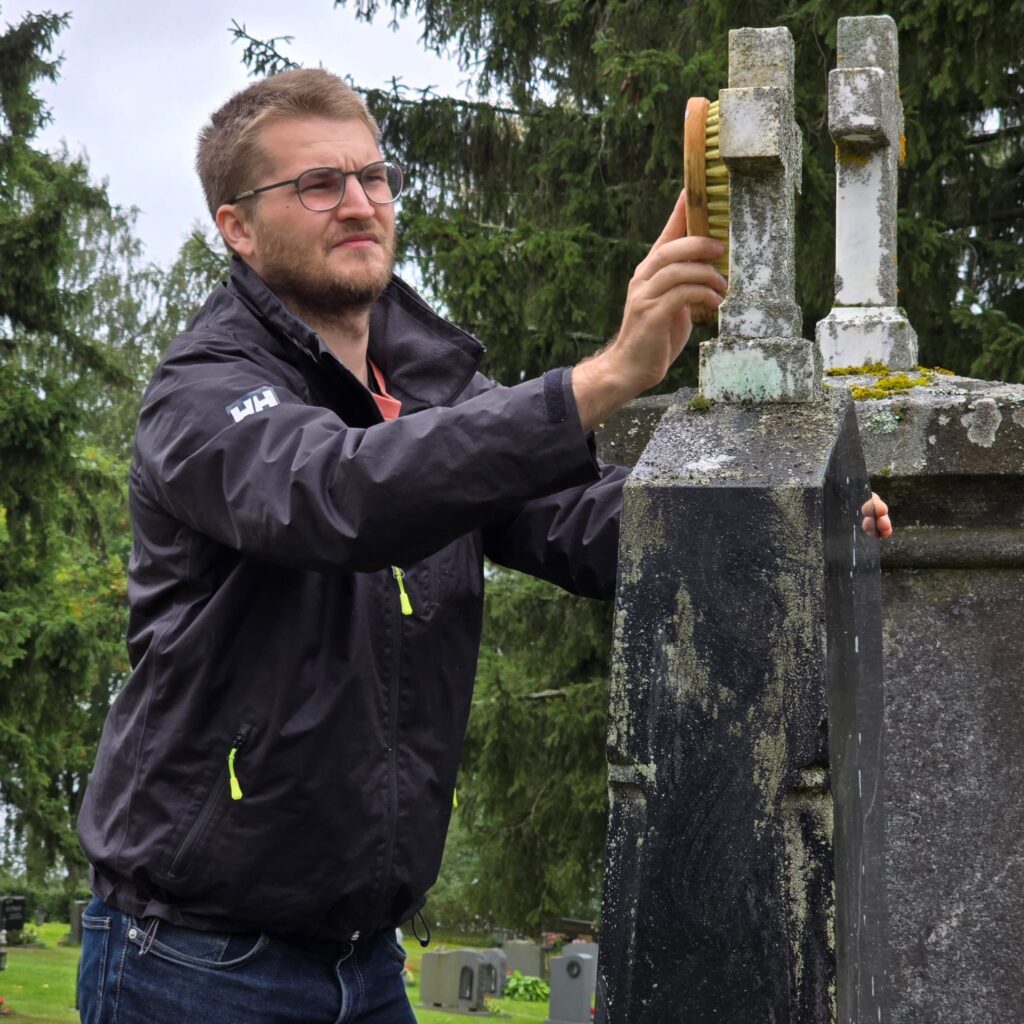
x=889 y=384
x=699 y=404
x=879 y=369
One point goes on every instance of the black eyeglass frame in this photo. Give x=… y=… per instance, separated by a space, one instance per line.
x=342 y=175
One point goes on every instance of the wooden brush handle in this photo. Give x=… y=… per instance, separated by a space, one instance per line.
x=695 y=166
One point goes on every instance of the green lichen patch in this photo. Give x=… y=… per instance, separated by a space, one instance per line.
x=699 y=404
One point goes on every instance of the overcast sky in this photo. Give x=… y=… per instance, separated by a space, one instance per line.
x=140 y=78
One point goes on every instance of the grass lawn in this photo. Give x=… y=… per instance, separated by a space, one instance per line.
x=39 y=985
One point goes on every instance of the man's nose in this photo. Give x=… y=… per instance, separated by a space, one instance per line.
x=354 y=205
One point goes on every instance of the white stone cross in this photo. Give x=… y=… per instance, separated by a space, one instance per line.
x=865 y=119
x=759 y=354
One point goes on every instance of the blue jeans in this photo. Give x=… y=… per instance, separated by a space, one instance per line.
x=152 y=972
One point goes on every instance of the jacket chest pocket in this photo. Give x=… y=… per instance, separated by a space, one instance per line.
x=446 y=577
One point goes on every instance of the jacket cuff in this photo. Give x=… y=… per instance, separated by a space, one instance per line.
x=560 y=406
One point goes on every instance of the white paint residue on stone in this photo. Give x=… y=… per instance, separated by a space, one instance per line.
x=982 y=422
x=709 y=464
x=859 y=237
x=856 y=645
x=931 y=439
x=943 y=420
x=1018 y=417
x=860 y=792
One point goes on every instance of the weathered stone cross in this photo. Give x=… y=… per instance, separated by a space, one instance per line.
x=865 y=118
x=759 y=354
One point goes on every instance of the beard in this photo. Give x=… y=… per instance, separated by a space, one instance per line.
x=319 y=292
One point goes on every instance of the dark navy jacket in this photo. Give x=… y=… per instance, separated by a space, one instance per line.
x=270 y=505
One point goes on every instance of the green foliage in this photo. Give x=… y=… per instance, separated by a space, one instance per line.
x=54 y=900
x=1002 y=356
x=38 y=194
x=529 y=831
x=526 y=988
x=64 y=538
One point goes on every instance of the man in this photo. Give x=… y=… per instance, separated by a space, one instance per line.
x=318 y=473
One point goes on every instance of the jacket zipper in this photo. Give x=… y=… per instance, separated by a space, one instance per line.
x=226 y=782
x=236 y=788
x=394 y=691
x=403 y=595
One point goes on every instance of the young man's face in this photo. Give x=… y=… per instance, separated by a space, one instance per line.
x=322 y=262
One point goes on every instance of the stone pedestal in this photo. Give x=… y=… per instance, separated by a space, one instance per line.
x=743 y=864
x=949 y=459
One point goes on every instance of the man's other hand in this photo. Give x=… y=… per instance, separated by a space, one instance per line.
x=876 y=521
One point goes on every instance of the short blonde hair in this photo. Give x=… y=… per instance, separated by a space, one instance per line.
x=229 y=159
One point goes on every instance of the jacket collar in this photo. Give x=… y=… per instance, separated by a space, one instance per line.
x=426 y=360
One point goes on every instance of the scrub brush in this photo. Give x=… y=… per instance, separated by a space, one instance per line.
x=706 y=179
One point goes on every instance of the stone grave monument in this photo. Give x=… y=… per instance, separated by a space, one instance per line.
x=455 y=979
x=744 y=868
x=948 y=456
x=573 y=984
x=524 y=956
x=494 y=978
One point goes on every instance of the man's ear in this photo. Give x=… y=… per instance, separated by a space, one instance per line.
x=236 y=229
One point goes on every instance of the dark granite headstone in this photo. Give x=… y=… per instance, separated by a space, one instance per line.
x=744 y=869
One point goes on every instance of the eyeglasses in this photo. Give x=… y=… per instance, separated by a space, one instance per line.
x=323 y=188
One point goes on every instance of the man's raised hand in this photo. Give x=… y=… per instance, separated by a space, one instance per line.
x=675 y=275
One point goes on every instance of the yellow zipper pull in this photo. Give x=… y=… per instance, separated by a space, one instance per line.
x=236 y=789
x=404 y=597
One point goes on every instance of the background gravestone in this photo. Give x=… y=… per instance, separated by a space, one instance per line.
x=525 y=957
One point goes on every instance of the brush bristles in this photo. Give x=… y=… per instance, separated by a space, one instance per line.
x=717 y=178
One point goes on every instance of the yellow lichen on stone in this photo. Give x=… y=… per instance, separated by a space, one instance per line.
x=852 y=157
x=857 y=371
x=888 y=385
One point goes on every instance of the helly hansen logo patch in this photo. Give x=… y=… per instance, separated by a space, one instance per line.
x=255 y=401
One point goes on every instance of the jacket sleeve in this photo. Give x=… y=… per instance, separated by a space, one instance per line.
x=570 y=538
x=290 y=482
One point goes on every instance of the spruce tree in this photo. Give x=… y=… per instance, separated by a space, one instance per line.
x=63 y=528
